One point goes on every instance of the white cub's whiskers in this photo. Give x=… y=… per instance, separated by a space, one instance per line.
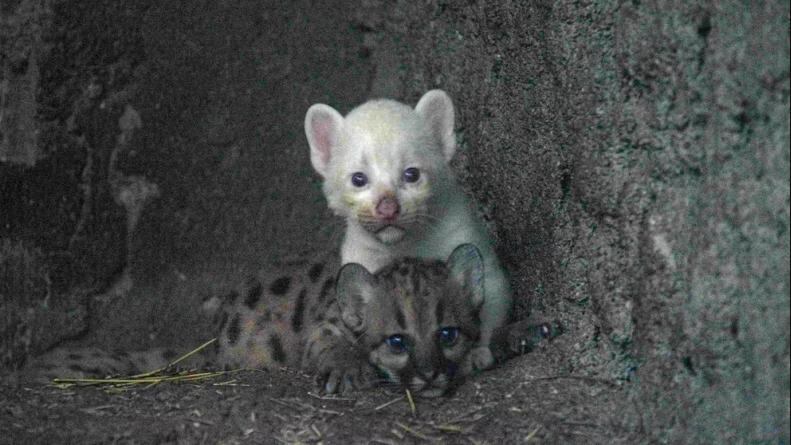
x=422 y=219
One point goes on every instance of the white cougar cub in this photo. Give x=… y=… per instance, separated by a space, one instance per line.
x=386 y=170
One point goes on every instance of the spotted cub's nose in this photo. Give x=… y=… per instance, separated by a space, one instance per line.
x=388 y=208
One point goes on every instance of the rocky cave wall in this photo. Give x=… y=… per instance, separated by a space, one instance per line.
x=632 y=158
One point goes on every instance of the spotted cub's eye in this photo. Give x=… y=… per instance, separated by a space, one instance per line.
x=359 y=179
x=396 y=344
x=411 y=174
x=448 y=336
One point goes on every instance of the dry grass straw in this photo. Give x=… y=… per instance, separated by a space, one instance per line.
x=167 y=373
x=411 y=403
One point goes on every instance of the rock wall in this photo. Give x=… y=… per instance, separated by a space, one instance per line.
x=632 y=158
x=162 y=161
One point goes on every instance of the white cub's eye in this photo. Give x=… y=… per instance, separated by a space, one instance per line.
x=412 y=174
x=359 y=179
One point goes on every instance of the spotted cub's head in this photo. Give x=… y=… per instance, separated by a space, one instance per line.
x=417 y=318
x=384 y=161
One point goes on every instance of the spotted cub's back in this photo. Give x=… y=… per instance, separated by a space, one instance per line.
x=264 y=322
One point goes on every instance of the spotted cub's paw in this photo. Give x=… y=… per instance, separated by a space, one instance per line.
x=342 y=369
x=481 y=358
x=525 y=336
x=522 y=337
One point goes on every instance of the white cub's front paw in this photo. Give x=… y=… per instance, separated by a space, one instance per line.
x=481 y=358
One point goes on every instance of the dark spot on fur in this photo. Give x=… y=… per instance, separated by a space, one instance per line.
x=234 y=330
x=326 y=288
x=333 y=320
x=232 y=296
x=278 y=354
x=169 y=354
x=440 y=311
x=223 y=320
x=74 y=357
x=254 y=294
x=400 y=318
x=327 y=332
x=315 y=272
x=76 y=368
x=299 y=312
x=280 y=286
x=416 y=283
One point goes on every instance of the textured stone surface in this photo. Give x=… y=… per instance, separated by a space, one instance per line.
x=632 y=157
x=167 y=150
x=635 y=159
x=57 y=211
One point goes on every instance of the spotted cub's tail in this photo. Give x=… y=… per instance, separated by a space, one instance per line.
x=79 y=363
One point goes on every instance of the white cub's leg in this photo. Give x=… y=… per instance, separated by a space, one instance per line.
x=497 y=304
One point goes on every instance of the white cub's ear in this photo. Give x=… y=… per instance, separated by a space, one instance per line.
x=355 y=287
x=437 y=109
x=466 y=269
x=322 y=127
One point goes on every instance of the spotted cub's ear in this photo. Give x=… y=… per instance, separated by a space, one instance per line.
x=354 y=289
x=436 y=108
x=322 y=127
x=466 y=269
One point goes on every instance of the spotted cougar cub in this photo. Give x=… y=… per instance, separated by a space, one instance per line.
x=386 y=171
x=413 y=322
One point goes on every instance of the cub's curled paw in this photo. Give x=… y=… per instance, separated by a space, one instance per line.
x=343 y=369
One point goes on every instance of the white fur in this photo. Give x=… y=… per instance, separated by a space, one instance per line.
x=382 y=138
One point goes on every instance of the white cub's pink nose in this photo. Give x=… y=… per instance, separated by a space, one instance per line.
x=388 y=208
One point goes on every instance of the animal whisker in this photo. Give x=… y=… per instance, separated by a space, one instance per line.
x=422 y=220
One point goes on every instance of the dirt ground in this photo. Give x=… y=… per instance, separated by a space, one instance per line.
x=523 y=401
